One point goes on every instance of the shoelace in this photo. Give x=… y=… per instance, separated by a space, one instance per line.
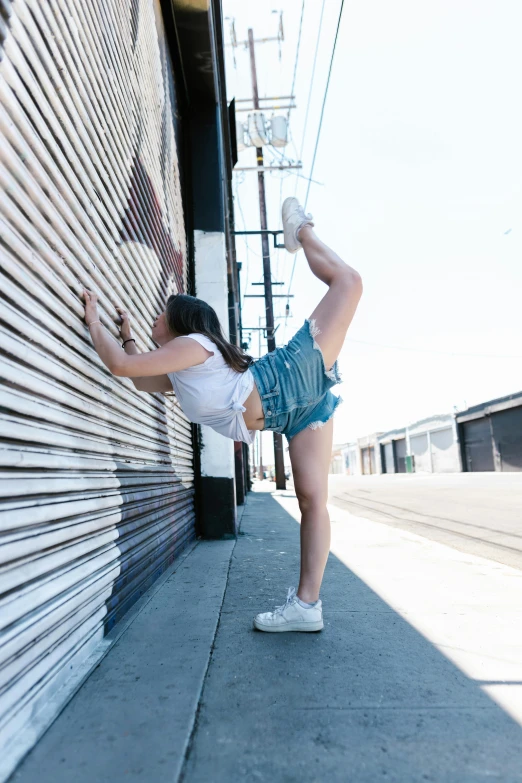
x=289 y=600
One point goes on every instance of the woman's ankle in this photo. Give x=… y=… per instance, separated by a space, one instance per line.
x=305 y=232
x=307 y=596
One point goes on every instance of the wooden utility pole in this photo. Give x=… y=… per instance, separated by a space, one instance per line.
x=267 y=272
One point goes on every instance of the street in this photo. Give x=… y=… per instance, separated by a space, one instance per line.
x=477 y=513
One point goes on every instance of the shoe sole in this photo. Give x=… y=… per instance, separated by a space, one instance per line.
x=303 y=627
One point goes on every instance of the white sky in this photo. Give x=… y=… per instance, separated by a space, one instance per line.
x=421 y=159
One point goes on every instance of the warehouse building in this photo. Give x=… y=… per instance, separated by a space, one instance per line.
x=370 y=454
x=430 y=445
x=393 y=451
x=491 y=435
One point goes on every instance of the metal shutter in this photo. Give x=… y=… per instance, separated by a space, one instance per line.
x=507 y=431
x=444 y=451
x=388 y=458
x=478 y=445
x=400 y=455
x=97 y=483
x=419 y=448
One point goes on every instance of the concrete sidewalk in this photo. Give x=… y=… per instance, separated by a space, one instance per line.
x=417 y=675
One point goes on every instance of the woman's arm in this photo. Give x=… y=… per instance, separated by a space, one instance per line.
x=158 y=383
x=176 y=355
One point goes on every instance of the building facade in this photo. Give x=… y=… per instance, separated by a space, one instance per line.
x=484 y=437
x=426 y=446
x=115 y=166
x=491 y=435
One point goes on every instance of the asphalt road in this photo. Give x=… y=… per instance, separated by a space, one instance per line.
x=478 y=513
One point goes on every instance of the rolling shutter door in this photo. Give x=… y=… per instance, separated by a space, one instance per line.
x=400 y=455
x=507 y=431
x=388 y=457
x=97 y=486
x=478 y=446
x=419 y=448
x=444 y=452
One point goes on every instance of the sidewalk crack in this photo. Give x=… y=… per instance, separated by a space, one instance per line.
x=195 y=725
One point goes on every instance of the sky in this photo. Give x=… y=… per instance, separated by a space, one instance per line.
x=420 y=169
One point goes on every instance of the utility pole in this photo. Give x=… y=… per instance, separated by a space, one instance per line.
x=267 y=273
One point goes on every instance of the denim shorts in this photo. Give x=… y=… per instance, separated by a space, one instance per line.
x=294 y=385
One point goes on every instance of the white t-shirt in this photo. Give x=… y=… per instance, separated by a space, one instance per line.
x=213 y=393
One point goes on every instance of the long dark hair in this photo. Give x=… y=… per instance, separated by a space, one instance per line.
x=186 y=314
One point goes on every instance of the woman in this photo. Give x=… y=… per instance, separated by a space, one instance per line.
x=287 y=391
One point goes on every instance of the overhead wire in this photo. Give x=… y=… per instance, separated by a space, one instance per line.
x=247 y=247
x=282 y=156
x=321 y=117
x=296 y=58
x=324 y=99
x=310 y=90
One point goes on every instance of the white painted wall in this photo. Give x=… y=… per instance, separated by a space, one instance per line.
x=217 y=452
x=211 y=273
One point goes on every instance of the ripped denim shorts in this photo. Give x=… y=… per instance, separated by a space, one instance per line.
x=294 y=385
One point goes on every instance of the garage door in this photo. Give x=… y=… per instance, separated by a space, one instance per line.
x=97 y=477
x=507 y=431
x=478 y=446
x=400 y=455
x=388 y=458
x=419 y=448
x=444 y=451
x=368 y=460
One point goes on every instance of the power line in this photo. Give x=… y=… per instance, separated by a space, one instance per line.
x=310 y=90
x=297 y=54
x=246 y=243
x=319 y=131
x=324 y=99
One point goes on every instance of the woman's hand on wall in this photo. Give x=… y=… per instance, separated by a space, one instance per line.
x=91 y=306
x=125 y=326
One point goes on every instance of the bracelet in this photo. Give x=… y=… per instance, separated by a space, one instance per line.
x=94 y=322
x=130 y=340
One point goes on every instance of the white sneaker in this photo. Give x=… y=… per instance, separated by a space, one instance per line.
x=291 y=616
x=294 y=218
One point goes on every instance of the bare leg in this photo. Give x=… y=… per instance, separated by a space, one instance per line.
x=310 y=454
x=334 y=313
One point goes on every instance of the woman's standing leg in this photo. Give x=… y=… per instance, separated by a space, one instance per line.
x=310 y=454
x=311 y=449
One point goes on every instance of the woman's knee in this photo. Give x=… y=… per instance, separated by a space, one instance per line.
x=350 y=280
x=310 y=498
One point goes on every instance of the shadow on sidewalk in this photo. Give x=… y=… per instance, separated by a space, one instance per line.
x=367 y=699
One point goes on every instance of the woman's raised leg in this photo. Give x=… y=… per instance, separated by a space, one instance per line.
x=310 y=454
x=334 y=313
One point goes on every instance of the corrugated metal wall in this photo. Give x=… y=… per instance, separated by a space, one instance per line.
x=97 y=478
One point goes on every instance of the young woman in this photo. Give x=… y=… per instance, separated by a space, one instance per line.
x=287 y=391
